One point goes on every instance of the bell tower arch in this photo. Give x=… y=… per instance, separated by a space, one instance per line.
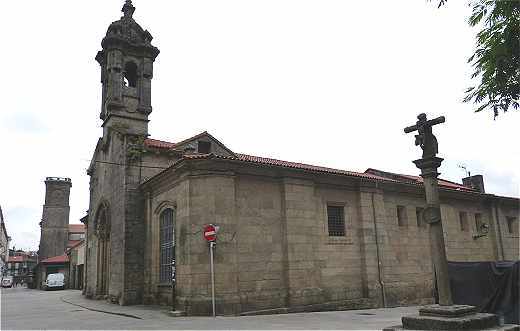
x=126 y=61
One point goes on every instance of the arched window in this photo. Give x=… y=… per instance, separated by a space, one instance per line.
x=166 y=245
x=130 y=74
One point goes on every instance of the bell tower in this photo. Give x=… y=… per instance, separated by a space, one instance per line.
x=126 y=61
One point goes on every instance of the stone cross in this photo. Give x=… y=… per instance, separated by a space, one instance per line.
x=425 y=137
x=429 y=163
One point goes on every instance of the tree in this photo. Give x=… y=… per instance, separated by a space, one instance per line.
x=496 y=60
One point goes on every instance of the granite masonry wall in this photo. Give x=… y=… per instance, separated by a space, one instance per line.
x=274 y=249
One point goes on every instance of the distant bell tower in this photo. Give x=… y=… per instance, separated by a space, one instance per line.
x=55 y=218
x=126 y=74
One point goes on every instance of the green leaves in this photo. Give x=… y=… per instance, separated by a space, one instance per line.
x=496 y=60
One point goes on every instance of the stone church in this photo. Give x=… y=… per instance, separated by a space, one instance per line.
x=292 y=236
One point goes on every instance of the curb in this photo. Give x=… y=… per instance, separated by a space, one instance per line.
x=100 y=310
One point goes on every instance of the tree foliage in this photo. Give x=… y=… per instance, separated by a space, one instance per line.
x=496 y=60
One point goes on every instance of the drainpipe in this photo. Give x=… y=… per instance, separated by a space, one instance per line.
x=379 y=271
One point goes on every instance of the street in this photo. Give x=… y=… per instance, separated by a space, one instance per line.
x=25 y=309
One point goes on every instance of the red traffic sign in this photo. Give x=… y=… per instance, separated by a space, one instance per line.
x=210 y=232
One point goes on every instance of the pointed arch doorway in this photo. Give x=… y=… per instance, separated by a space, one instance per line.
x=103 y=251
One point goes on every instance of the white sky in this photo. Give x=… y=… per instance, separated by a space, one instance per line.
x=331 y=83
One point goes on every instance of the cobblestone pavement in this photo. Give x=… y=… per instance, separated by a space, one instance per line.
x=26 y=309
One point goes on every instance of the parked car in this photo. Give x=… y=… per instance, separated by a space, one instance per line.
x=54 y=282
x=7 y=281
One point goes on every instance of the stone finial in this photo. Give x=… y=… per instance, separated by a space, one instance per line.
x=128 y=9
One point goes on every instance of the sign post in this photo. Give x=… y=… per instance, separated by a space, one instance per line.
x=173 y=279
x=211 y=245
x=210 y=234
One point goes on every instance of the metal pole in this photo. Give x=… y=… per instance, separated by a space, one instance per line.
x=211 y=244
x=173 y=282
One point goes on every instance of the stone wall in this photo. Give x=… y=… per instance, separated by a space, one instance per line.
x=274 y=249
x=55 y=217
x=405 y=259
x=509 y=217
x=107 y=189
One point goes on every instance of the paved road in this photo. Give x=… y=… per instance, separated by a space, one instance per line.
x=26 y=309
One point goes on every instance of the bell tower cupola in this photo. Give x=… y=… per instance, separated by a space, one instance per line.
x=126 y=61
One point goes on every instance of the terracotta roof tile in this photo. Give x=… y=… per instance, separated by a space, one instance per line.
x=77 y=228
x=373 y=174
x=158 y=143
x=419 y=180
x=303 y=166
x=56 y=259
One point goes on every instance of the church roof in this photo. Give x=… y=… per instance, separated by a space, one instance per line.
x=159 y=143
x=370 y=173
x=418 y=180
x=303 y=166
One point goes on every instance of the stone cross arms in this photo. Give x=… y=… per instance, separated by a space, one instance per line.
x=425 y=138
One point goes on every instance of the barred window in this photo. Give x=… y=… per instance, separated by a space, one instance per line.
x=336 y=221
x=166 y=242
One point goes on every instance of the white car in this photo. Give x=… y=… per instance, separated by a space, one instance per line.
x=54 y=281
x=7 y=281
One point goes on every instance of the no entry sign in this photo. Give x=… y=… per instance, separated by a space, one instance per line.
x=210 y=232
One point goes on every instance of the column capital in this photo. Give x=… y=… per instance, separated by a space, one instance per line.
x=429 y=166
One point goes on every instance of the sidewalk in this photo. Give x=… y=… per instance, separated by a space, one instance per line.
x=156 y=317
x=74 y=297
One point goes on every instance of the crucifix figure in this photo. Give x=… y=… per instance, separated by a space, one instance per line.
x=425 y=137
x=429 y=163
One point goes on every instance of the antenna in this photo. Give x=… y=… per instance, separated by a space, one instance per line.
x=463 y=166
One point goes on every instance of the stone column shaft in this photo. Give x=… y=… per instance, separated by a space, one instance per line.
x=429 y=173
x=438 y=249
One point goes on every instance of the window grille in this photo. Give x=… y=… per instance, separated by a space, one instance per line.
x=336 y=221
x=166 y=242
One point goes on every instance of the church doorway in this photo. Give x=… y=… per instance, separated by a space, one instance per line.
x=103 y=251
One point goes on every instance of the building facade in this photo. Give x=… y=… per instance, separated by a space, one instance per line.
x=4 y=245
x=291 y=235
x=20 y=266
x=76 y=257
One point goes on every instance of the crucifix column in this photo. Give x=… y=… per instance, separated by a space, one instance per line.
x=445 y=315
x=429 y=163
x=432 y=216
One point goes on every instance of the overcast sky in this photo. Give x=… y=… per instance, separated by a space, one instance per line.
x=323 y=82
